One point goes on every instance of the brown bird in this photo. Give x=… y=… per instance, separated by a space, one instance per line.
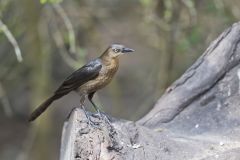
x=93 y=76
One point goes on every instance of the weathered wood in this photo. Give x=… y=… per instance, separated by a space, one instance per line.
x=221 y=56
x=197 y=118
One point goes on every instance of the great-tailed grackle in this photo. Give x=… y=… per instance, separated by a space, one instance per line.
x=88 y=79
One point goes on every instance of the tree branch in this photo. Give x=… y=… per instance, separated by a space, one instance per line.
x=69 y=26
x=5 y=102
x=12 y=40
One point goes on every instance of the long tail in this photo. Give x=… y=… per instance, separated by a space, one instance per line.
x=41 y=109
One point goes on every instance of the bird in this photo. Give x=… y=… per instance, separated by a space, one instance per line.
x=88 y=79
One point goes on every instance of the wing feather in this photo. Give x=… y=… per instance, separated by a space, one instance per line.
x=79 y=77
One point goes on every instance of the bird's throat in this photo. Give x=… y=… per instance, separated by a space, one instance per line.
x=110 y=61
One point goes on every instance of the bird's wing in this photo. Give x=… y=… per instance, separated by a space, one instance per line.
x=79 y=77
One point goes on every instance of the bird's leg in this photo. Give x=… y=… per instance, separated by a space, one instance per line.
x=90 y=122
x=90 y=96
x=100 y=113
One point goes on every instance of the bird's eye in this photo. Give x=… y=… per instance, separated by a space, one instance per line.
x=116 y=50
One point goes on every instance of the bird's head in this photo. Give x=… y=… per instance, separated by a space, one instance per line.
x=116 y=50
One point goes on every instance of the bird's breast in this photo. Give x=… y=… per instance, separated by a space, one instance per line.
x=105 y=76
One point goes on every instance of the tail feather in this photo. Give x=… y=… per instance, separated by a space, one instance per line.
x=36 y=113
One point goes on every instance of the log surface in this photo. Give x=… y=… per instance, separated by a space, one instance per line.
x=197 y=118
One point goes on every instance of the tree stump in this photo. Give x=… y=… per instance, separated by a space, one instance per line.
x=197 y=118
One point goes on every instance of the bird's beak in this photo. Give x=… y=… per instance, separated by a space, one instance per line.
x=127 y=50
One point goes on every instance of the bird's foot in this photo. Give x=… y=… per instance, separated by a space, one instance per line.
x=92 y=123
x=103 y=116
x=89 y=121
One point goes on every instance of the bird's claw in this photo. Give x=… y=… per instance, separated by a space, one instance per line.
x=103 y=116
x=92 y=123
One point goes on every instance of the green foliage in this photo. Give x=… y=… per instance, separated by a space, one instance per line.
x=183 y=45
x=146 y=3
x=50 y=1
x=211 y=7
x=168 y=11
x=194 y=36
x=4 y=4
x=191 y=39
x=82 y=52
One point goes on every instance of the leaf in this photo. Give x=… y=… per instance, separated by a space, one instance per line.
x=146 y=3
x=43 y=1
x=50 y=1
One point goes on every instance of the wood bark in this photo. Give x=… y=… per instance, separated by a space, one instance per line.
x=197 y=118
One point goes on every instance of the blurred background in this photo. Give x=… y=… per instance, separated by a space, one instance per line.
x=43 y=41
